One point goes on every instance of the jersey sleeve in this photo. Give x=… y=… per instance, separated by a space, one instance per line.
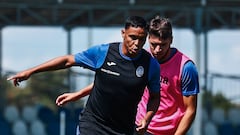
x=189 y=78
x=93 y=57
x=154 y=76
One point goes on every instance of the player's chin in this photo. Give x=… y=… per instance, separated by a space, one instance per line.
x=155 y=55
x=136 y=51
x=158 y=56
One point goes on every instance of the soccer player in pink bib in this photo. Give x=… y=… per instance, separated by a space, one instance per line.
x=179 y=84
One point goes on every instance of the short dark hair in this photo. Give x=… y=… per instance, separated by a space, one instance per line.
x=136 y=21
x=160 y=27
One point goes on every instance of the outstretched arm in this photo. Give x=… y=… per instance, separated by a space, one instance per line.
x=67 y=97
x=54 y=64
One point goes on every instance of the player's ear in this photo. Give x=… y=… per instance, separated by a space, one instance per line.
x=123 y=33
x=171 y=39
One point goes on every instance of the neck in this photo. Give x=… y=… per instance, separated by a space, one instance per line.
x=167 y=56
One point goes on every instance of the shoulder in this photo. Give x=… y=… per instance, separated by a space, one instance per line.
x=101 y=47
x=189 y=66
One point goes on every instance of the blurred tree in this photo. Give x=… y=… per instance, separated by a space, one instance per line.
x=41 y=89
x=47 y=86
x=10 y=94
x=216 y=100
x=3 y=88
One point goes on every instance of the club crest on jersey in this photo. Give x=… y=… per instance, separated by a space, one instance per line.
x=139 y=71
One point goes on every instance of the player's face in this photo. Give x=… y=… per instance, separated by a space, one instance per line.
x=133 y=40
x=160 y=48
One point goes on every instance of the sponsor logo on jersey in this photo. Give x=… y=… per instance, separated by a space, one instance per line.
x=111 y=63
x=110 y=72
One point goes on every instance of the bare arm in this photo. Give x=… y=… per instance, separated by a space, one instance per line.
x=152 y=107
x=54 y=64
x=188 y=118
x=67 y=97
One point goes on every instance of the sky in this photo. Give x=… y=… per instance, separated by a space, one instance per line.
x=25 y=47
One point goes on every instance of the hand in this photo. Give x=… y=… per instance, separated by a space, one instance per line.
x=19 y=77
x=141 y=127
x=64 y=98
